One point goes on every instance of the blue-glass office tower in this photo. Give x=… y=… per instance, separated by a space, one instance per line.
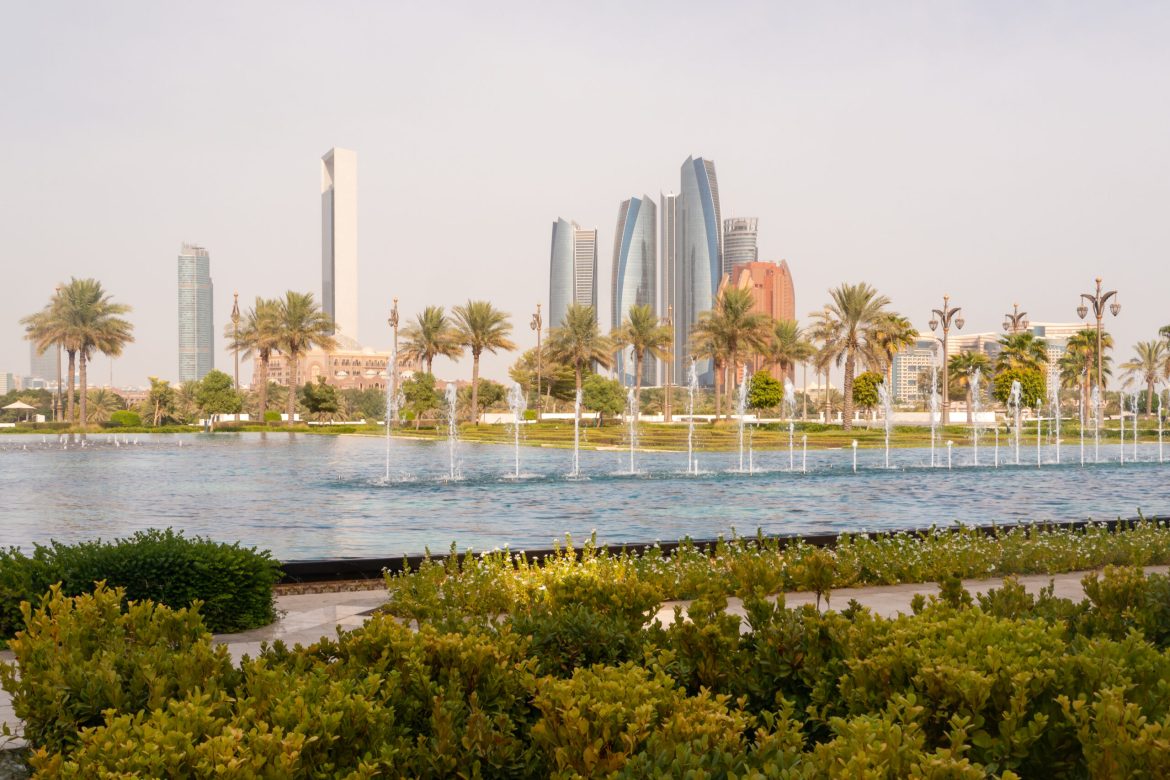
x=572 y=273
x=635 y=273
x=196 y=328
x=699 y=260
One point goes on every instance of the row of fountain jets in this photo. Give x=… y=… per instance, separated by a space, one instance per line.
x=518 y=404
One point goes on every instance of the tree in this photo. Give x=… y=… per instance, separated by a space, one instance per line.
x=557 y=378
x=855 y=310
x=258 y=335
x=645 y=336
x=301 y=327
x=604 y=396
x=103 y=403
x=787 y=346
x=1164 y=332
x=891 y=334
x=865 y=389
x=730 y=329
x=963 y=367
x=216 y=394
x=431 y=335
x=368 y=403
x=1151 y=362
x=490 y=394
x=48 y=329
x=420 y=395
x=765 y=391
x=578 y=342
x=1032 y=385
x=160 y=403
x=823 y=334
x=481 y=326
x=320 y=399
x=1021 y=350
x=1078 y=364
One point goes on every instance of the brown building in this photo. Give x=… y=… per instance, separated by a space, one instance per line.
x=771 y=286
x=345 y=369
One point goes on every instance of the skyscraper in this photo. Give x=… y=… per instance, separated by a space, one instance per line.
x=196 y=326
x=572 y=270
x=773 y=295
x=699 y=263
x=635 y=271
x=339 y=274
x=43 y=365
x=668 y=262
x=739 y=242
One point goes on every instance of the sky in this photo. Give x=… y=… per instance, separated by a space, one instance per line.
x=997 y=152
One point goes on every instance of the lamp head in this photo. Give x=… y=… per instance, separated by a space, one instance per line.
x=1007 y=325
x=1082 y=311
x=1115 y=308
x=960 y=322
x=934 y=324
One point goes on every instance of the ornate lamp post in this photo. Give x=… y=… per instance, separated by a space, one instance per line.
x=945 y=316
x=236 y=335
x=1016 y=321
x=537 y=325
x=1098 y=302
x=393 y=322
x=669 y=368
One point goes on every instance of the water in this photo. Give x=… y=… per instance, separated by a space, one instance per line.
x=1056 y=418
x=950 y=447
x=692 y=388
x=632 y=425
x=517 y=403
x=886 y=399
x=306 y=496
x=934 y=413
x=1039 y=431
x=1159 y=427
x=976 y=408
x=1014 y=403
x=1133 y=404
x=740 y=407
x=1095 y=400
x=576 y=472
x=452 y=397
x=394 y=399
x=790 y=412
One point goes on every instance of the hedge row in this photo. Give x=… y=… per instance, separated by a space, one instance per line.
x=575 y=684
x=233 y=583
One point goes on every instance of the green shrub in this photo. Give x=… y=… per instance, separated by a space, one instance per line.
x=233 y=583
x=272 y=415
x=125 y=419
x=529 y=414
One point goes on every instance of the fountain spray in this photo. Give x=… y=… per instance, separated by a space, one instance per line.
x=740 y=406
x=887 y=402
x=576 y=434
x=790 y=409
x=1095 y=400
x=394 y=401
x=1039 y=429
x=1014 y=407
x=452 y=393
x=976 y=404
x=1159 y=427
x=949 y=444
x=692 y=388
x=1121 y=416
x=517 y=402
x=1133 y=403
x=933 y=410
x=1056 y=418
x=804 y=453
x=632 y=422
x=855 y=456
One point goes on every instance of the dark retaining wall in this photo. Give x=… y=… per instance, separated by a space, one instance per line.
x=373 y=568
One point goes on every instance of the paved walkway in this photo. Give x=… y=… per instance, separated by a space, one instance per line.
x=308 y=617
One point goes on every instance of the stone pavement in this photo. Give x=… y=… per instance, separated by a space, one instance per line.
x=305 y=618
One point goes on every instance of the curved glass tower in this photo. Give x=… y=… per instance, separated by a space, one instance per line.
x=572 y=273
x=699 y=264
x=635 y=271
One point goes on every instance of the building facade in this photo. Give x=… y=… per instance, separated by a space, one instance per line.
x=635 y=276
x=345 y=369
x=43 y=365
x=339 y=269
x=1055 y=336
x=668 y=265
x=196 y=320
x=699 y=261
x=572 y=270
x=908 y=367
x=774 y=295
x=739 y=242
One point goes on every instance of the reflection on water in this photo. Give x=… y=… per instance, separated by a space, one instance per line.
x=326 y=497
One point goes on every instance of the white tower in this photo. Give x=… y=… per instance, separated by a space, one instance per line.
x=339 y=274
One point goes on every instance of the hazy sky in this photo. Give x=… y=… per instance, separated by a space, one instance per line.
x=998 y=152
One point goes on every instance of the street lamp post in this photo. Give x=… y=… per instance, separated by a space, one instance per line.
x=393 y=322
x=944 y=317
x=537 y=325
x=1016 y=321
x=236 y=335
x=1098 y=301
x=669 y=368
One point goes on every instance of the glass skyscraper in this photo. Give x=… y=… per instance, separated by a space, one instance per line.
x=339 y=270
x=699 y=260
x=572 y=270
x=196 y=327
x=668 y=263
x=635 y=271
x=739 y=242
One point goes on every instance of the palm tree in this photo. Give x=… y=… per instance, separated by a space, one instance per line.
x=730 y=329
x=91 y=323
x=429 y=336
x=893 y=333
x=480 y=326
x=258 y=335
x=642 y=332
x=1164 y=332
x=49 y=328
x=301 y=326
x=102 y=403
x=1078 y=364
x=787 y=346
x=962 y=369
x=578 y=342
x=821 y=334
x=855 y=309
x=1150 y=363
x=1021 y=350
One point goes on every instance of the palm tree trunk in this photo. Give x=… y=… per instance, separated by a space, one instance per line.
x=637 y=383
x=72 y=372
x=291 y=405
x=1149 y=396
x=970 y=400
x=475 y=387
x=733 y=380
x=263 y=387
x=847 y=391
x=718 y=390
x=82 y=400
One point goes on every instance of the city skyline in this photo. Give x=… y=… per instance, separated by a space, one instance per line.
x=924 y=152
